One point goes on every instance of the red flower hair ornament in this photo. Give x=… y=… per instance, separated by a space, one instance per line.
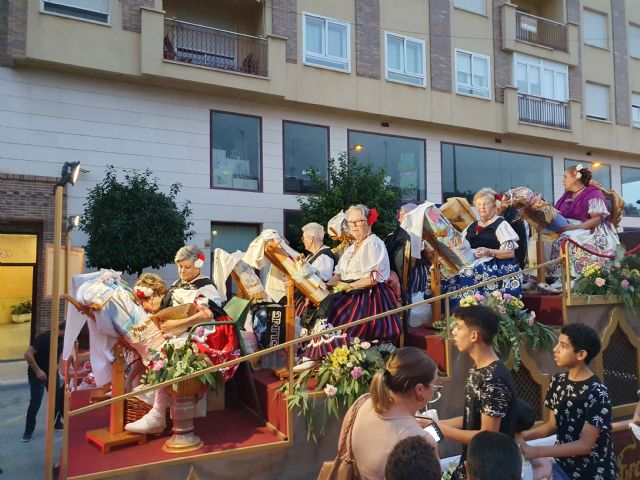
x=200 y=261
x=372 y=217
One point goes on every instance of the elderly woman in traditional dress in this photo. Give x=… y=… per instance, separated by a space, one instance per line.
x=320 y=256
x=359 y=279
x=494 y=243
x=584 y=206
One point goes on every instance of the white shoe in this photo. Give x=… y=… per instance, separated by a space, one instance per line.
x=545 y=287
x=305 y=363
x=152 y=423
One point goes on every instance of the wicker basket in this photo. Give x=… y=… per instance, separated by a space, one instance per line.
x=187 y=388
x=135 y=409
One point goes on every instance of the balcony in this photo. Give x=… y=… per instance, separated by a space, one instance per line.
x=539 y=35
x=541 y=31
x=543 y=111
x=215 y=48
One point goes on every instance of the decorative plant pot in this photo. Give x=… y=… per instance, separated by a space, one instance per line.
x=21 y=318
x=182 y=412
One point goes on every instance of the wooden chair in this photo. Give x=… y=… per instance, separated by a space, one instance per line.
x=237 y=308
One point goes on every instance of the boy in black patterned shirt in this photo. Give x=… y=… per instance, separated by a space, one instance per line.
x=489 y=402
x=580 y=413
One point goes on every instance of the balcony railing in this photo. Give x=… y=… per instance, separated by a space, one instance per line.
x=541 y=31
x=214 y=48
x=543 y=111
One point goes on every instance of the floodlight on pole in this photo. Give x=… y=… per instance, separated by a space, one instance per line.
x=70 y=171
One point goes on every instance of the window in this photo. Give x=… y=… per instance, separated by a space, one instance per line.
x=595 y=28
x=231 y=237
x=631 y=190
x=472 y=74
x=542 y=78
x=236 y=152
x=293 y=229
x=326 y=42
x=475 y=6
x=635 y=109
x=402 y=159
x=305 y=147
x=96 y=10
x=633 y=35
x=405 y=59
x=597 y=101
x=601 y=172
x=466 y=169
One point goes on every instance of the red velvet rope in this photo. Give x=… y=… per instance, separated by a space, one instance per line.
x=591 y=252
x=633 y=250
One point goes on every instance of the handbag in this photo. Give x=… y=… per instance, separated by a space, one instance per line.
x=343 y=467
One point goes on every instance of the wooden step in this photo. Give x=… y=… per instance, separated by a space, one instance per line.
x=548 y=308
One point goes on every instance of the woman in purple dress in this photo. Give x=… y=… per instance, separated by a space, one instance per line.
x=585 y=208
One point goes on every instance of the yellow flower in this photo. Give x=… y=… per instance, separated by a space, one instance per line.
x=591 y=270
x=468 y=301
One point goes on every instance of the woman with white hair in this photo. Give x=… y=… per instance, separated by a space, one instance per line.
x=359 y=280
x=320 y=256
x=494 y=243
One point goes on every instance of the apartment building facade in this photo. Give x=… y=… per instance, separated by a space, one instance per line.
x=238 y=99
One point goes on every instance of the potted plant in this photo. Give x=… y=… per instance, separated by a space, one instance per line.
x=21 y=312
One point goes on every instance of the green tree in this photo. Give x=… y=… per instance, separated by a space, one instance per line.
x=132 y=225
x=351 y=183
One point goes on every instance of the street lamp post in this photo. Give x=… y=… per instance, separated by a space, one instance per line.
x=69 y=174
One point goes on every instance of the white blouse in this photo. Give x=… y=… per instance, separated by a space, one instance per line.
x=370 y=257
x=324 y=264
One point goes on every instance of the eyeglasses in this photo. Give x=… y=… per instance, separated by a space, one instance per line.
x=355 y=223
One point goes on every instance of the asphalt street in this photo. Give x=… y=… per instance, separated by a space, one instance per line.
x=21 y=461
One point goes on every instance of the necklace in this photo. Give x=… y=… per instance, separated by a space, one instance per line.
x=486 y=222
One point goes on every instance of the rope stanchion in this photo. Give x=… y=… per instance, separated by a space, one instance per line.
x=633 y=250
x=586 y=249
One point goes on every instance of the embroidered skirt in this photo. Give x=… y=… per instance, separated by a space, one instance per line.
x=343 y=308
x=480 y=272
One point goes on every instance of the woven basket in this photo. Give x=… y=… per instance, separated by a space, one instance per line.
x=135 y=409
x=187 y=388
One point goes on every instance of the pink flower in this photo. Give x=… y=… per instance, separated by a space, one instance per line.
x=158 y=365
x=479 y=297
x=508 y=296
x=365 y=345
x=599 y=281
x=532 y=318
x=356 y=372
x=624 y=284
x=330 y=390
x=199 y=332
x=497 y=294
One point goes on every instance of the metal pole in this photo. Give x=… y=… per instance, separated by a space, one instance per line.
x=52 y=376
x=67 y=261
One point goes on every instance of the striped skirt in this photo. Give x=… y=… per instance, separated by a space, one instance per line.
x=420 y=278
x=343 y=308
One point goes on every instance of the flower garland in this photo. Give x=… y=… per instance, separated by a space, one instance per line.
x=578 y=168
x=372 y=217
x=142 y=292
x=200 y=261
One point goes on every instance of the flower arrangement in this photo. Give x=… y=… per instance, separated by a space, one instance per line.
x=621 y=278
x=342 y=376
x=173 y=361
x=21 y=308
x=516 y=324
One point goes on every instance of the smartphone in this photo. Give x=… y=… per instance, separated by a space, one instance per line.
x=434 y=431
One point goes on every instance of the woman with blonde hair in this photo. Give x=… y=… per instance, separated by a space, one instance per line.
x=386 y=414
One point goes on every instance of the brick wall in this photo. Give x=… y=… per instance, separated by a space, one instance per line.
x=131 y=13
x=284 y=22
x=620 y=63
x=501 y=59
x=440 y=35
x=28 y=200
x=368 y=38
x=13 y=31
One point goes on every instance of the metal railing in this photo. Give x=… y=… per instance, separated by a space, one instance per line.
x=543 y=111
x=215 y=48
x=541 y=31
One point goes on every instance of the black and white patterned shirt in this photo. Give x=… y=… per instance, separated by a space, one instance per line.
x=490 y=390
x=577 y=403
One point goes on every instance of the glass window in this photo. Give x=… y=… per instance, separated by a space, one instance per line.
x=597 y=101
x=600 y=171
x=465 y=170
x=236 y=154
x=635 y=109
x=633 y=35
x=472 y=74
x=293 y=229
x=305 y=147
x=231 y=237
x=96 y=10
x=475 y=6
x=326 y=42
x=402 y=160
x=535 y=76
x=631 y=190
x=405 y=59
x=595 y=28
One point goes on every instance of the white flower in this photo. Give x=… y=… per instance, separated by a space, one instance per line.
x=349 y=365
x=365 y=345
x=143 y=292
x=330 y=390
